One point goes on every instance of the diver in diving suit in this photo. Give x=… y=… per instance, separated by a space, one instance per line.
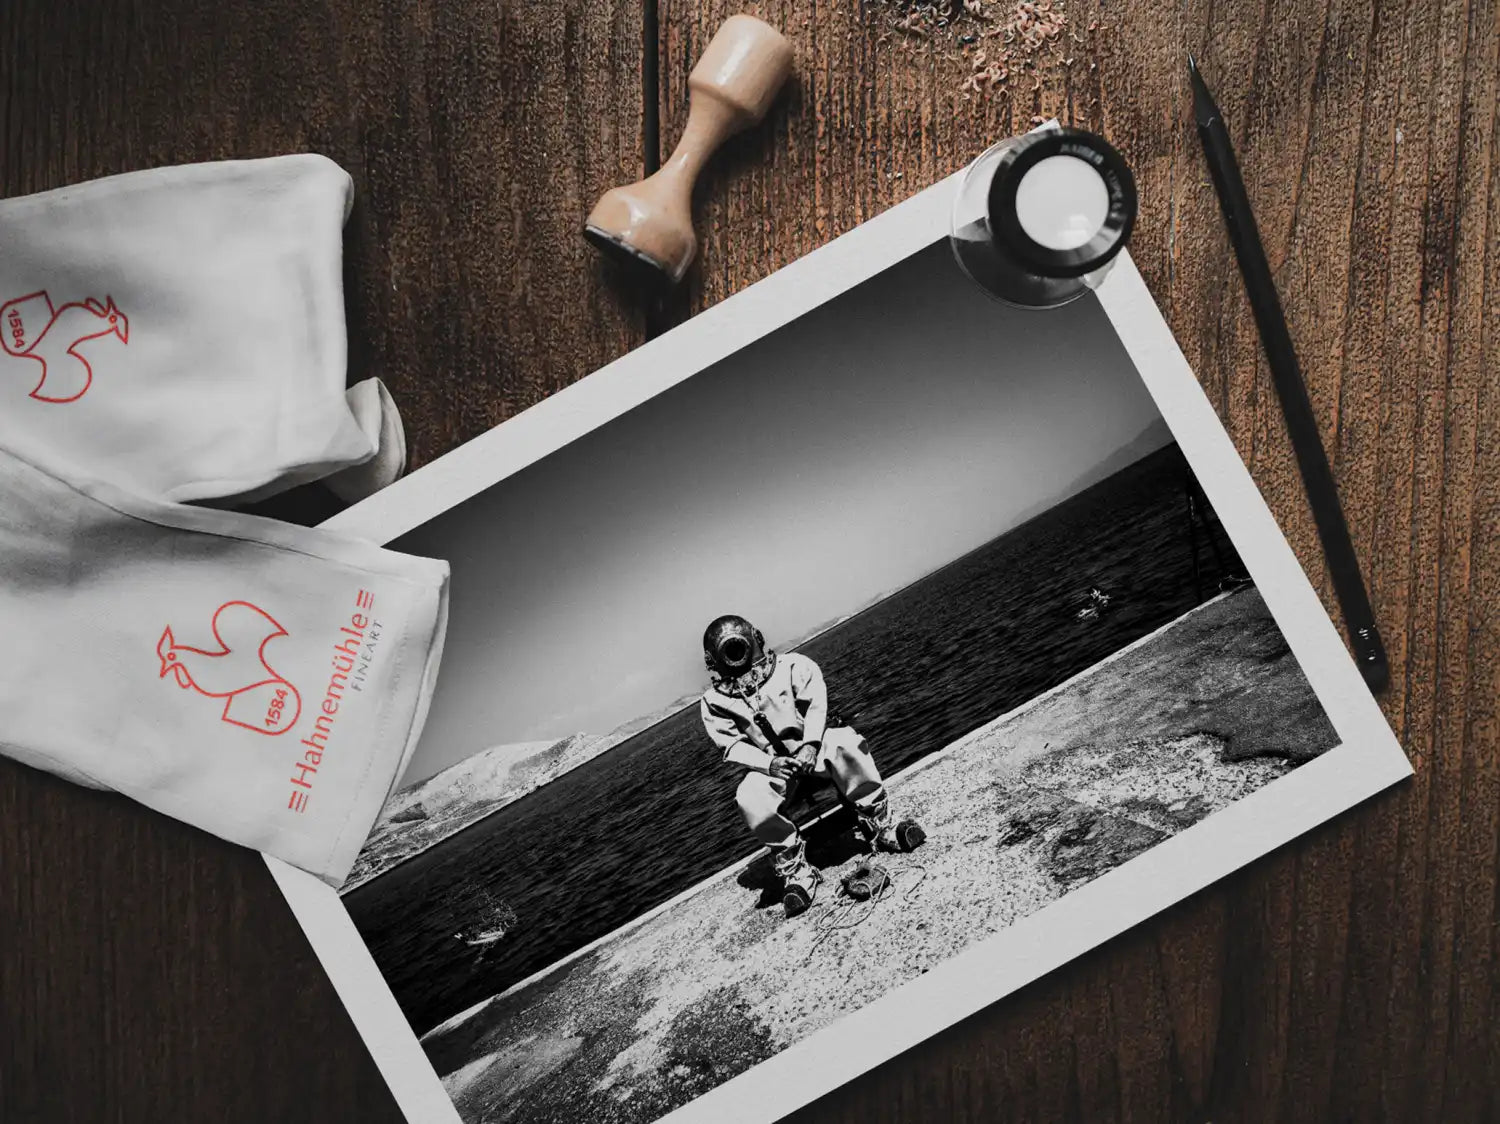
x=768 y=713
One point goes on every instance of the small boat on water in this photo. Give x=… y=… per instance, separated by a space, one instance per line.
x=490 y=916
x=1097 y=601
x=480 y=940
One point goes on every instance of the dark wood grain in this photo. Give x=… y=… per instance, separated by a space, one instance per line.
x=152 y=973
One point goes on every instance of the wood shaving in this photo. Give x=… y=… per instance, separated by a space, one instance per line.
x=997 y=41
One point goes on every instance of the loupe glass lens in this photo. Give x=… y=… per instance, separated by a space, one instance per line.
x=1038 y=218
x=1062 y=203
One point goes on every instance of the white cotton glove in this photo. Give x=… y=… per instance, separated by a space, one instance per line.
x=375 y=412
x=180 y=332
x=262 y=681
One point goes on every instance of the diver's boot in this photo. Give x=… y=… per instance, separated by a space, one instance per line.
x=881 y=831
x=867 y=880
x=799 y=878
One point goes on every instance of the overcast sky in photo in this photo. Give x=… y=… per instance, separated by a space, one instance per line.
x=844 y=456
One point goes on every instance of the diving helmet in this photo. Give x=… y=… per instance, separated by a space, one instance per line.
x=732 y=646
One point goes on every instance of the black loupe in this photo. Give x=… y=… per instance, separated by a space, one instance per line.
x=1039 y=218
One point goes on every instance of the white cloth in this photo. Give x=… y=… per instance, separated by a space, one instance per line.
x=263 y=681
x=180 y=331
x=178 y=335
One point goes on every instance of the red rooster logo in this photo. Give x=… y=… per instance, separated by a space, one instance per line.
x=255 y=697
x=30 y=328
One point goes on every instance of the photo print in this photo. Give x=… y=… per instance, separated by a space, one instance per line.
x=960 y=568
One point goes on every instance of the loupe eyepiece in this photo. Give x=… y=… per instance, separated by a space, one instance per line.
x=1039 y=218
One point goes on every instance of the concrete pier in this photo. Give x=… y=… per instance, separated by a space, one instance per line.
x=1019 y=812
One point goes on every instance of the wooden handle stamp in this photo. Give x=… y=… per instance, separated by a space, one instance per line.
x=650 y=222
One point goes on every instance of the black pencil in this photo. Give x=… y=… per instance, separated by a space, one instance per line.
x=1317 y=476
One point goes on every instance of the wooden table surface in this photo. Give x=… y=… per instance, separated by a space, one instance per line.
x=153 y=973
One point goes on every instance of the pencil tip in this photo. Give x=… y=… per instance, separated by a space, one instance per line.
x=1203 y=102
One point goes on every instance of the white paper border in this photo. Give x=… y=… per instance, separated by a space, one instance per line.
x=1368 y=760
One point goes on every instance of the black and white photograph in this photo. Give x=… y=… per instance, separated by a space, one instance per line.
x=790 y=684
